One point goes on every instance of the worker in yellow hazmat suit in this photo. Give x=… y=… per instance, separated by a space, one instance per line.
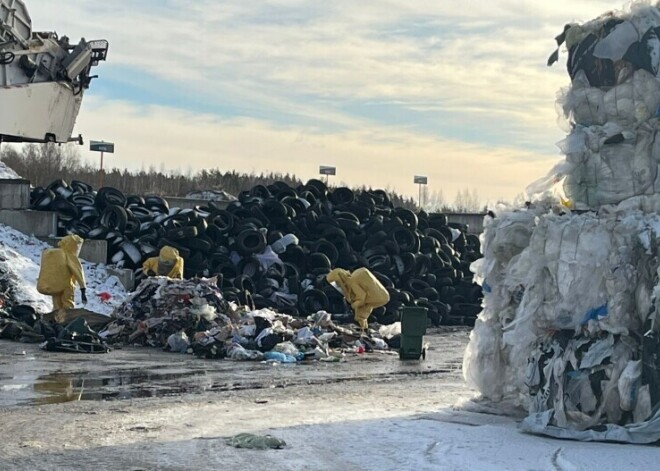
x=362 y=289
x=168 y=263
x=60 y=271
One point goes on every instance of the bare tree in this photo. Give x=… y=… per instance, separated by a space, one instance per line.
x=433 y=201
x=467 y=201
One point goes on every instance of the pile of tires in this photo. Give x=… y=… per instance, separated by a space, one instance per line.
x=422 y=259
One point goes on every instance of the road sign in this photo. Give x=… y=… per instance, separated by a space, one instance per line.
x=100 y=146
x=420 y=180
x=324 y=170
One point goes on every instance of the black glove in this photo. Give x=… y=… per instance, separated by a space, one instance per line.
x=151 y=273
x=83 y=295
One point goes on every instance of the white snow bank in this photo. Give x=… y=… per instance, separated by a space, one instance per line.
x=20 y=256
x=7 y=174
x=444 y=441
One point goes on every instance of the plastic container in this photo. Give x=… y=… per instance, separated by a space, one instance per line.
x=413 y=327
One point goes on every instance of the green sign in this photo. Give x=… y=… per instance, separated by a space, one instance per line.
x=100 y=146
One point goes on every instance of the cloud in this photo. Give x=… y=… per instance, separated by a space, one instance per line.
x=375 y=83
x=372 y=155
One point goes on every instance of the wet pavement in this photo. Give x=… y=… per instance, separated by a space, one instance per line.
x=32 y=377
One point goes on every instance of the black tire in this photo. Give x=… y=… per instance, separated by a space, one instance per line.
x=431 y=294
x=44 y=201
x=97 y=233
x=81 y=187
x=135 y=200
x=251 y=242
x=329 y=249
x=78 y=228
x=66 y=211
x=187 y=232
x=295 y=255
x=142 y=214
x=156 y=201
x=342 y=196
x=417 y=286
x=223 y=220
x=244 y=283
x=114 y=217
x=312 y=301
x=408 y=217
x=406 y=239
x=317 y=262
x=86 y=199
x=108 y=196
x=437 y=220
x=384 y=280
x=132 y=229
x=251 y=266
x=197 y=243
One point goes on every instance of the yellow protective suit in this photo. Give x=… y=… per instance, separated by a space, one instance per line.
x=168 y=263
x=362 y=289
x=60 y=271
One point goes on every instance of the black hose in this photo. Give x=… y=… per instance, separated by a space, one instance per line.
x=7 y=58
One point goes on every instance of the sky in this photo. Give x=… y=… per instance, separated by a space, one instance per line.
x=457 y=90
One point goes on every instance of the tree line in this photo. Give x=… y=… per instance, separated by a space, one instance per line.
x=44 y=163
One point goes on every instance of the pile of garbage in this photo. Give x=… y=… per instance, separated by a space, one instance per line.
x=277 y=243
x=569 y=328
x=191 y=316
x=73 y=331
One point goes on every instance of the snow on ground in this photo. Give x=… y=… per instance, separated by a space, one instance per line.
x=20 y=255
x=445 y=441
x=7 y=174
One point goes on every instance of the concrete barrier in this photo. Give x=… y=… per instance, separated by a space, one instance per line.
x=14 y=194
x=93 y=251
x=37 y=223
x=188 y=203
x=126 y=277
x=474 y=221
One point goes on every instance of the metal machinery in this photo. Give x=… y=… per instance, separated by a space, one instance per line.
x=42 y=78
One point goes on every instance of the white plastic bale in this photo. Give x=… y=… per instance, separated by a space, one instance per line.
x=483 y=362
x=573 y=264
x=611 y=173
x=634 y=101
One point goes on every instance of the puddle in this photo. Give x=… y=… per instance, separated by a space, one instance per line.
x=113 y=385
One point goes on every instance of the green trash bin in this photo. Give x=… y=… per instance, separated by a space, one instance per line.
x=413 y=327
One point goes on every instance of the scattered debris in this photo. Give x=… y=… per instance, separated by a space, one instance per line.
x=255 y=442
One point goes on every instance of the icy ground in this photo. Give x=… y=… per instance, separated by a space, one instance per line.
x=368 y=413
x=20 y=256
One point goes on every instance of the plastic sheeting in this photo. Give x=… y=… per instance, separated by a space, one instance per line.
x=612 y=109
x=571 y=282
x=567 y=302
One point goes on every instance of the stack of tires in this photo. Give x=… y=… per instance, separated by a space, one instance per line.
x=274 y=246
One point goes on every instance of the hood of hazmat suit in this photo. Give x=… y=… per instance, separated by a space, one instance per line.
x=362 y=289
x=168 y=263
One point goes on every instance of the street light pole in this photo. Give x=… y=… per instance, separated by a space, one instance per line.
x=421 y=180
x=101 y=173
x=102 y=147
x=327 y=171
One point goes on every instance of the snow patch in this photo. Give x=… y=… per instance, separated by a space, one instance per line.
x=7 y=173
x=20 y=257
